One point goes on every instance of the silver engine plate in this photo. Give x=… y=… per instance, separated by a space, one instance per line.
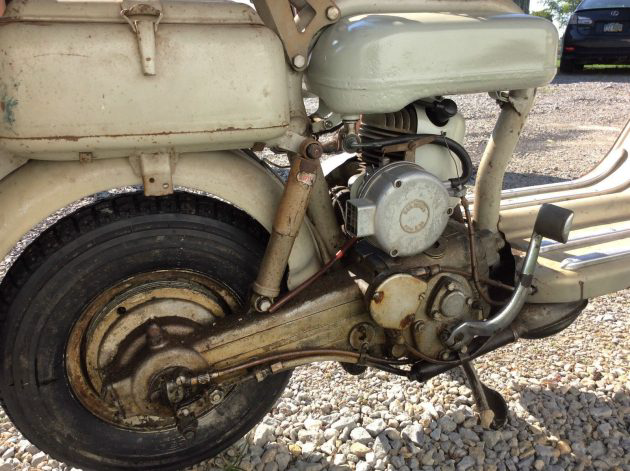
x=400 y=208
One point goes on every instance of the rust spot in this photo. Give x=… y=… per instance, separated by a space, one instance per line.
x=406 y=322
x=148 y=134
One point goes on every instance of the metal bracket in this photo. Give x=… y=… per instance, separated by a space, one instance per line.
x=156 y=171
x=297 y=30
x=519 y=103
x=144 y=18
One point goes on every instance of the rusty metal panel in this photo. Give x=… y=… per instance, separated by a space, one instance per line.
x=73 y=81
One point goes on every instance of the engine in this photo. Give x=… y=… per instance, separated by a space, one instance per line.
x=404 y=198
x=415 y=257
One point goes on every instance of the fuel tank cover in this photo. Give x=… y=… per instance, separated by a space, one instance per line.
x=381 y=63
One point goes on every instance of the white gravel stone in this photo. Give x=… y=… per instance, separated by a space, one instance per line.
x=361 y=435
x=376 y=427
x=283 y=460
x=38 y=458
x=363 y=466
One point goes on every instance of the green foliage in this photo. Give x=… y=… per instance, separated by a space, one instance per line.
x=544 y=14
x=561 y=10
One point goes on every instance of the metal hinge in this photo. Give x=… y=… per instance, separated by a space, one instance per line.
x=144 y=18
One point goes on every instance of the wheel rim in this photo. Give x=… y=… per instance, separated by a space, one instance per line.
x=116 y=330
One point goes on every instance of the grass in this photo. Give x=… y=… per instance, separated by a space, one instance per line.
x=604 y=66
x=600 y=66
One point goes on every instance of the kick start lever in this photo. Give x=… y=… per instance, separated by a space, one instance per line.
x=552 y=222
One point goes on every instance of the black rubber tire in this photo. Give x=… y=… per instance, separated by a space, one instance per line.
x=66 y=267
x=568 y=66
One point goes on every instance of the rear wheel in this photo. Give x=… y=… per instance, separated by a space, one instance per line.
x=79 y=303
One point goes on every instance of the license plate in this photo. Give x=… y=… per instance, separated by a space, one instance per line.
x=613 y=27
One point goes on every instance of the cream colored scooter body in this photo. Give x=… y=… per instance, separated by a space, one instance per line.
x=381 y=63
x=79 y=81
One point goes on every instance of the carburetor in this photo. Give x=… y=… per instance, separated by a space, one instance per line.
x=400 y=208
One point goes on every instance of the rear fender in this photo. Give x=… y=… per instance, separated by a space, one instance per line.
x=38 y=189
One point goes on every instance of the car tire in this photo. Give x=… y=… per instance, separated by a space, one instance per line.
x=568 y=66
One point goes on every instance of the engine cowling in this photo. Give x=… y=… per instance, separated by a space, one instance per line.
x=400 y=208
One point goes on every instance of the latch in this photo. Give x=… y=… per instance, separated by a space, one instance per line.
x=144 y=18
x=156 y=171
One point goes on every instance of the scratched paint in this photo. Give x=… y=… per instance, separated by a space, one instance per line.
x=7 y=106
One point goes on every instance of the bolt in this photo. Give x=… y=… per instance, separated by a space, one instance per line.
x=333 y=13
x=398 y=183
x=451 y=287
x=328 y=124
x=378 y=296
x=469 y=301
x=299 y=61
x=216 y=397
x=314 y=150
x=445 y=355
x=464 y=349
x=263 y=304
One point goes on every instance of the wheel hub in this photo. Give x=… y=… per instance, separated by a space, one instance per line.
x=132 y=340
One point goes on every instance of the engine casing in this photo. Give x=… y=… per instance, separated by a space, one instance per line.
x=400 y=208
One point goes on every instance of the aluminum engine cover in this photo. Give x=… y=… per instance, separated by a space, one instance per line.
x=401 y=209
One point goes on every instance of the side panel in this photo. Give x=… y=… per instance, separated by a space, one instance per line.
x=77 y=87
x=39 y=188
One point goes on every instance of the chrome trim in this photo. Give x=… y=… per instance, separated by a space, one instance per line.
x=578 y=262
x=570 y=197
x=608 y=235
x=608 y=168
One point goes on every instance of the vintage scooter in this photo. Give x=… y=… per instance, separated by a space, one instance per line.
x=157 y=323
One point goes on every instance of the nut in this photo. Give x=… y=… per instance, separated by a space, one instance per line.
x=314 y=150
x=299 y=61
x=333 y=13
x=262 y=304
x=216 y=397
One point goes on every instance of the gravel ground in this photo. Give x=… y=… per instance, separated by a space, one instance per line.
x=569 y=396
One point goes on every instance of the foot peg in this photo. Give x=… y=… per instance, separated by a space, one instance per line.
x=493 y=409
x=552 y=222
